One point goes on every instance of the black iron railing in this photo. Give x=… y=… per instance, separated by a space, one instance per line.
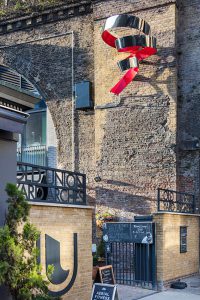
x=44 y=184
x=173 y=201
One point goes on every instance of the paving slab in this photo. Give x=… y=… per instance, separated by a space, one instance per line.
x=132 y=293
x=171 y=295
x=192 y=292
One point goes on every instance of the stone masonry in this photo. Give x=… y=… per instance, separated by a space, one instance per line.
x=188 y=128
x=133 y=143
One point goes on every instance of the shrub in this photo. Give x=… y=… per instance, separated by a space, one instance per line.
x=19 y=270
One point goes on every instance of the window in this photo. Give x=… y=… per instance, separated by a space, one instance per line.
x=32 y=143
x=35 y=130
x=183 y=239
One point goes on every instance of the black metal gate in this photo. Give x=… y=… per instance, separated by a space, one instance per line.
x=133 y=263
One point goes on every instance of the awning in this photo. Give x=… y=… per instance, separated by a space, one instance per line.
x=12 y=120
x=17 y=96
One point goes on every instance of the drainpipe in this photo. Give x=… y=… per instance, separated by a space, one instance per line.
x=73 y=109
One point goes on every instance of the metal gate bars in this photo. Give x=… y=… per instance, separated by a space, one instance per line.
x=130 y=249
x=132 y=263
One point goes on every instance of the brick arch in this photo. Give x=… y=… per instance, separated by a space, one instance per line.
x=17 y=79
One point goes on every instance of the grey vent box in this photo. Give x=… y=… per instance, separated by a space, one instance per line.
x=83 y=95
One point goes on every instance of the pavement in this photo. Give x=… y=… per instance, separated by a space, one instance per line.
x=133 y=293
x=192 y=292
x=172 y=295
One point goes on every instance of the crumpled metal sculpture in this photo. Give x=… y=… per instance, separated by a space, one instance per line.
x=139 y=46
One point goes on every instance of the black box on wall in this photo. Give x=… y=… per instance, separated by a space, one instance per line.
x=83 y=95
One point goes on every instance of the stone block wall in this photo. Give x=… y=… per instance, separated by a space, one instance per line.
x=60 y=223
x=171 y=264
x=188 y=130
x=133 y=146
x=135 y=141
x=54 y=56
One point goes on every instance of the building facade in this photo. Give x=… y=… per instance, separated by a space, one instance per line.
x=128 y=145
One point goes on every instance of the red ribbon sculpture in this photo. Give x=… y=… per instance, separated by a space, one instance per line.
x=139 y=46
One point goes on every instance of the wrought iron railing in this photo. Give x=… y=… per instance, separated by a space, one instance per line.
x=48 y=185
x=173 y=201
x=36 y=155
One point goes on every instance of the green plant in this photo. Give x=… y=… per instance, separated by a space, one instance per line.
x=19 y=270
x=18 y=6
x=95 y=260
x=103 y=217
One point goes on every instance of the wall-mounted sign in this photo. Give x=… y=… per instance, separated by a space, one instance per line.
x=136 y=232
x=138 y=46
x=52 y=257
x=104 y=292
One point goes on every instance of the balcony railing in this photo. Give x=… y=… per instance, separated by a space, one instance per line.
x=48 y=185
x=173 y=201
x=36 y=155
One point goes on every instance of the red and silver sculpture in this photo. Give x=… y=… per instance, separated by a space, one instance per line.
x=139 y=46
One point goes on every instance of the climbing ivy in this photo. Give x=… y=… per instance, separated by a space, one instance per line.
x=10 y=7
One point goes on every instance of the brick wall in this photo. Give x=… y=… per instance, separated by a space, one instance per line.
x=171 y=264
x=188 y=51
x=132 y=147
x=61 y=223
x=135 y=141
x=45 y=58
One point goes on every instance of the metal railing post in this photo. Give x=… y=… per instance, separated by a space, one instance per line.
x=158 y=198
x=194 y=204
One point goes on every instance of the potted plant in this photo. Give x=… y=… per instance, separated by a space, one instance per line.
x=102 y=217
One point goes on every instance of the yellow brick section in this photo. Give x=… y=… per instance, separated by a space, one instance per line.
x=172 y=264
x=61 y=223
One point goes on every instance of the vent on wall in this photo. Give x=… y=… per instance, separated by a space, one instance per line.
x=11 y=77
x=83 y=95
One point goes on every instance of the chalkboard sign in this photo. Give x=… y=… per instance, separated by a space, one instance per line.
x=104 y=291
x=107 y=275
x=136 y=232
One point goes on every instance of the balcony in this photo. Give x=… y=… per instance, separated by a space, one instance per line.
x=48 y=185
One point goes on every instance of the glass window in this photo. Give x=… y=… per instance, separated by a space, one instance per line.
x=35 y=130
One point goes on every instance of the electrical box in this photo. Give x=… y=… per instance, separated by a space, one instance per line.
x=83 y=95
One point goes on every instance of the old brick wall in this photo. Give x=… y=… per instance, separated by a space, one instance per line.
x=130 y=147
x=171 y=264
x=43 y=54
x=60 y=222
x=188 y=50
x=135 y=141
